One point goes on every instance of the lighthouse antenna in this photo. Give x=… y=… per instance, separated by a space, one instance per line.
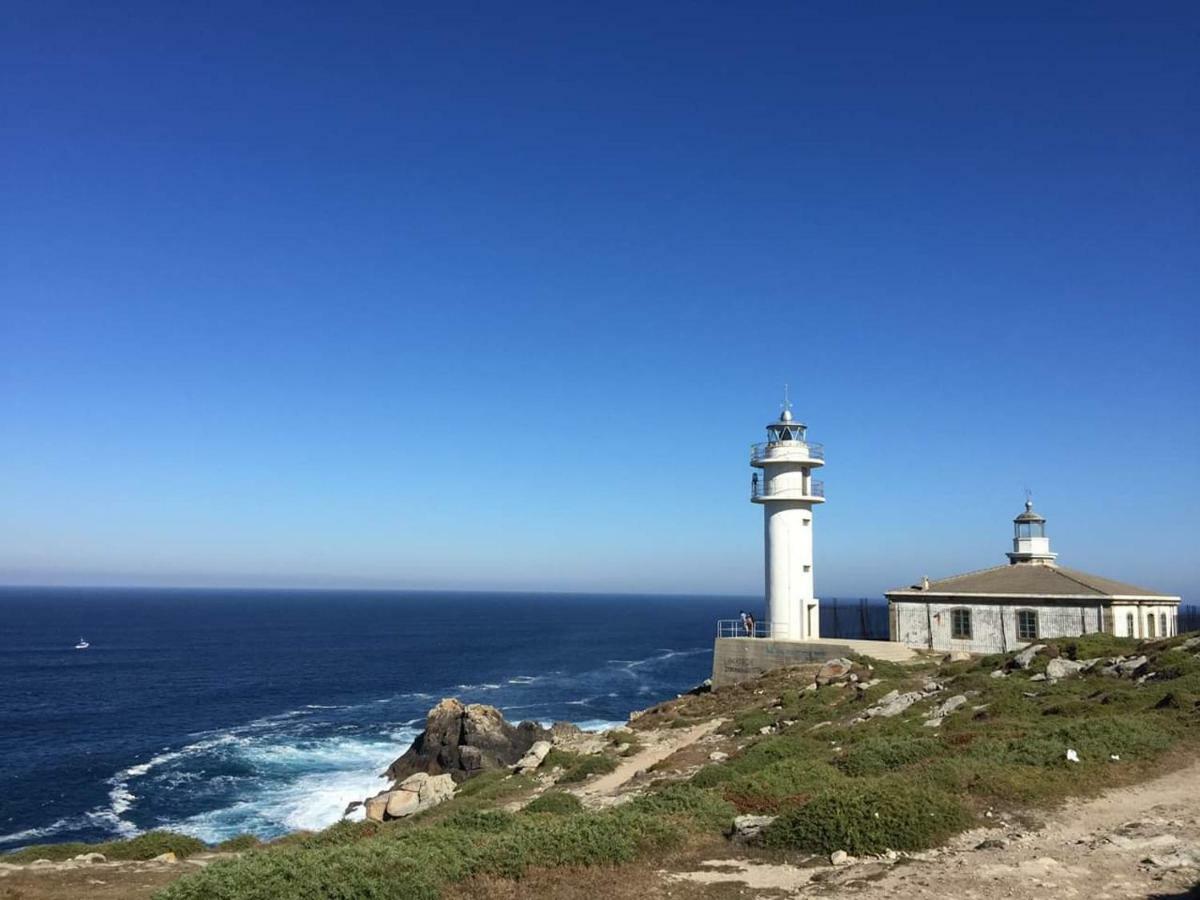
x=787 y=403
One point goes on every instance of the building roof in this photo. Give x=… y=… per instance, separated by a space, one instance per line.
x=1031 y=581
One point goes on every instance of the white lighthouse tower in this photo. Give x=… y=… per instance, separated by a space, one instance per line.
x=788 y=493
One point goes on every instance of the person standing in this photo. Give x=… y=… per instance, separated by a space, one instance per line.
x=750 y=624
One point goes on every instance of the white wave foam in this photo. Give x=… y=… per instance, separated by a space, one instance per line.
x=523 y=679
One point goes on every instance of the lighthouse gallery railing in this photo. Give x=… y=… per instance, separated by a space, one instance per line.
x=758 y=489
x=761 y=451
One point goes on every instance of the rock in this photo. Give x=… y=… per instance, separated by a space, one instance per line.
x=402 y=803
x=1072 y=756
x=41 y=863
x=834 y=670
x=839 y=858
x=1040 y=676
x=992 y=844
x=167 y=857
x=767 y=729
x=718 y=756
x=893 y=703
x=747 y=828
x=534 y=757
x=931 y=687
x=999 y=673
x=933 y=723
x=1062 y=668
x=949 y=706
x=462 y=740
x=1086 y=665
x=90 y=858
x=375 y=807
x=1189 y=644
x=1025 y=658
x=1131 y=666
x=957 y=656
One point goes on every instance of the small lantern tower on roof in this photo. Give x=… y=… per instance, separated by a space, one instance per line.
x=1030 y=544
x=788 y=492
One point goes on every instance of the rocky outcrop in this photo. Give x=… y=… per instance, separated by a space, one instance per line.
x=531 y=760
x=748 y=828
x=461 y=740
x=415 y=794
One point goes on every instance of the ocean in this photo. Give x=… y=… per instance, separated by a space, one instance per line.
x=222 y=712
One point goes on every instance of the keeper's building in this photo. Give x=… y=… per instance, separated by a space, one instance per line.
x=1029 y=599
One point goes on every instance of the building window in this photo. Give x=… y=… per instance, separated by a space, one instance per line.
x=1162 y=621
x=1026 y=625
x=1129 y=625
x=1150 y=625
x=960 y=624
x=808 y=568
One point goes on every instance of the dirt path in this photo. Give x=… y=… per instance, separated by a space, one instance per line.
x=659 y=745
x=1133 y=842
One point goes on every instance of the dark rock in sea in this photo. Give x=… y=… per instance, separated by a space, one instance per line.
x=462 y=740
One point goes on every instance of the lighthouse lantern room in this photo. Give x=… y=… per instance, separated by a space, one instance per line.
x=784 y=485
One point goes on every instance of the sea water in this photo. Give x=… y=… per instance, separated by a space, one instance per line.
x=218 y=712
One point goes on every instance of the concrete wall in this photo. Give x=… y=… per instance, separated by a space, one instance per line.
x=993 y=625
x=737 y=659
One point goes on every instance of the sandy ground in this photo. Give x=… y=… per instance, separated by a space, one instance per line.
x=1133 y=842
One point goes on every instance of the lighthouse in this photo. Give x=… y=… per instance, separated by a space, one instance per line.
x=783 y=484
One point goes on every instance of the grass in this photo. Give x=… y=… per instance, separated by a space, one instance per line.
x=864 y=788
x=556 y=803
x=144 y=846
x=869 y=816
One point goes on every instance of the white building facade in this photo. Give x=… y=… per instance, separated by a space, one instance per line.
x=1032 y=598
x=784 y=486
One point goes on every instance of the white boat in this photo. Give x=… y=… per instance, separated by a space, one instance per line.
x=82 y=645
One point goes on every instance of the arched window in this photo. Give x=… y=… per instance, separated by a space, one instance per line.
x=1162 y=621
x=1129 y=625
x=1150 y=625
x=960 y=624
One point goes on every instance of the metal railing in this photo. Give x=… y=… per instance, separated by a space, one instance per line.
x=759 y=452
x=731 y=628
x=758 y=490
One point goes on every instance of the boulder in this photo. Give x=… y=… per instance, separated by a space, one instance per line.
x=461 y=740
x=168 y=857
x=718 y=756
x=839 y=858
x=534 y=757
x=1025 y=658
x=1189 y=644
x=957 y=656
x=747 y=828
x=948 y=707
x=375 y=807
x=90 y=858
x=834 y=670
x=1131 y=666
x=402 y=803
x=1062 y=668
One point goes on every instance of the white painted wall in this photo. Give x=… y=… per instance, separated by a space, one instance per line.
x=993 y=625
x=788 y=541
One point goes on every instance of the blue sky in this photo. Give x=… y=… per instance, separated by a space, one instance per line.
x=497 y=296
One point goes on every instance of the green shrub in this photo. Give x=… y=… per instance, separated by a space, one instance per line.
x=594 y=764
x=558 y=803
x=144 y=846
x=701 y=808
x=880 y=755
x=869 y=817
x=753 y=721
x=240 y=843
x=786 y=782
